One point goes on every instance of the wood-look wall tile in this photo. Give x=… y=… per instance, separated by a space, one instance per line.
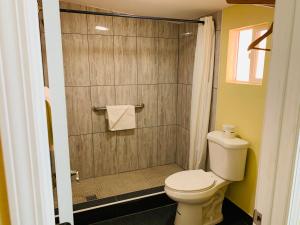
x=167 y=60
x=181 y=91
x=126 y=95
x=147 y=147
x=44 y=60
x=81 y=155
x=105 y=153
x=101 y=59
x=218 y=19
x=187 y=111
x=79 y=110
x=147 y=94
x=187 y=47
x=73 y=23
x=75 y=55
x=41 y=23
x=187 y=29
x=184 y=105
x=125 y=60
x=124 y=26
x=127 y=152
x=147 y=28
x=167 y=29
x=166 y=145
x=191 y=48
x=179 y=148
x=182 y=61
x=101 y=21
x=167 y=100
x=186 y=138
x=182 y=153
x=102 y=96
x=147 y=57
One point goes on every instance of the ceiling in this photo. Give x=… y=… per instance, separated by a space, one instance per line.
x=186 y=9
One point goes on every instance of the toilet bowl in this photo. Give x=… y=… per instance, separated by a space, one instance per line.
x=200 y=194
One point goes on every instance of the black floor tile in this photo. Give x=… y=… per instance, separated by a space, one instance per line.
x=155 y=210
x=233 y=215
x=119 y=210
x=159 y=216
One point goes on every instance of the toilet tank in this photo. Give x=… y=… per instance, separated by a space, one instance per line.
x=227 y=156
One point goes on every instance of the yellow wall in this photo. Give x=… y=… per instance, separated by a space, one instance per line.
x=4 y=215
x=242 y=104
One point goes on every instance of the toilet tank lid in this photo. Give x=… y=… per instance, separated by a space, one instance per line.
x=230 y=143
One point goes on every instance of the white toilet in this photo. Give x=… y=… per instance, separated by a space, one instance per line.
x=200 y=194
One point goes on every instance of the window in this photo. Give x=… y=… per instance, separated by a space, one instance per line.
x=245 y=66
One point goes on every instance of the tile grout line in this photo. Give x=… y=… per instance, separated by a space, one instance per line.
x=178 y=56
x=157 y=102
x=89 y=62
x=137 y=95
x=115 y=100
x=158 y=99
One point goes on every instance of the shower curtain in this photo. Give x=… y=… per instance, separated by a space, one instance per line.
x=201 y=93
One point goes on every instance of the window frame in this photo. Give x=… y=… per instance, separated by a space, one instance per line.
x=232 y=55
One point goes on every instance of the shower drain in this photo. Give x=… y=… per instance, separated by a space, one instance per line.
x=91 y=197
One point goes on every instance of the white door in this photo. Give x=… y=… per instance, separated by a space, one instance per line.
x=281 y=127
x=23 y=124
x=54 y=55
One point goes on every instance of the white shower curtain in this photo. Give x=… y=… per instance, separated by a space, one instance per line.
x=201 y=93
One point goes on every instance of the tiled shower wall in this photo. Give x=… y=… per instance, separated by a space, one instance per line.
x=187 y=45
x=135 y=61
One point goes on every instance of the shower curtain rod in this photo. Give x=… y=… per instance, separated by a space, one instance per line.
x=129 y=16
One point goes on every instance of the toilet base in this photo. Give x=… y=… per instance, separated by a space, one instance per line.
x=206 y=213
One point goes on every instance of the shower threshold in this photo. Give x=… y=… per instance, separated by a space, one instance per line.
x=109 y=190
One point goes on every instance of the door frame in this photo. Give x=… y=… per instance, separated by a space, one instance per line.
x=55 y=66
x=23 y=117
x=281 y=124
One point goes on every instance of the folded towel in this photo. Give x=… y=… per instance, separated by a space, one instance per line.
x=121 y=117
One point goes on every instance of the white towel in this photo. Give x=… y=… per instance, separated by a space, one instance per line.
x=121 y=117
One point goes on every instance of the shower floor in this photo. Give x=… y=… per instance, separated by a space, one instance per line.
x=122 y=183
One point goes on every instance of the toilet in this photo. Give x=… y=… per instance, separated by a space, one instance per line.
x=200 y=194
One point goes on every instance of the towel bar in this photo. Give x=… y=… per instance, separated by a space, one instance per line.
x=103 y=108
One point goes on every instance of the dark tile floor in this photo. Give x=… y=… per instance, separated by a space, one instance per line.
x=160 y=216
x=155 y=210
x=234 y=215
x=165 y=216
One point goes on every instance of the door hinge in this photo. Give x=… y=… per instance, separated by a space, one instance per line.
x=257 y=217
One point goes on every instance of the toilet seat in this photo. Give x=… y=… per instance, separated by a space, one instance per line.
x=191 y=181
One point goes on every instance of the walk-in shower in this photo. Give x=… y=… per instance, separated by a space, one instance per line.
x=112 y=59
